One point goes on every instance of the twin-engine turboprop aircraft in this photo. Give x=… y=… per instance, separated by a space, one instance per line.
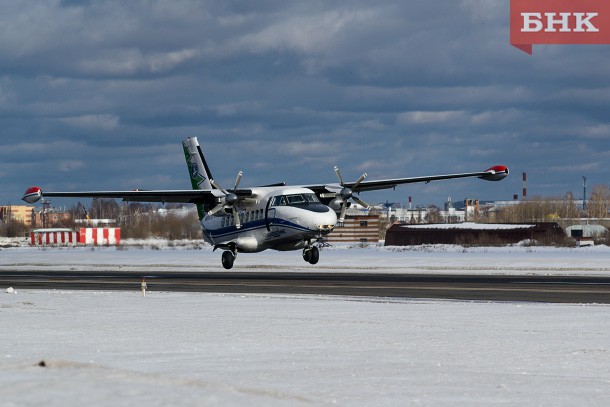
x=278 y=216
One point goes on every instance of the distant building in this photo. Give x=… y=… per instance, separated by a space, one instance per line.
x=49 y=218
x=32 y=217
x=586 y=231
x=362 y=228
x=472 y=233
x=17 y=213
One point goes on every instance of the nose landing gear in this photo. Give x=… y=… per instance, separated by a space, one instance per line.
x=311 y=254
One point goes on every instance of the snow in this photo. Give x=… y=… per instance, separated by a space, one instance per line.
x=120 y=348
x=440 y=259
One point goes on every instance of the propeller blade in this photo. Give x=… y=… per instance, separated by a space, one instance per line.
x=236 y=219
x=342 y=215
x=339 y=175
x=216 y=208
x=362 y=177
x=217 y=186
x=239 y=175
x=361 y=202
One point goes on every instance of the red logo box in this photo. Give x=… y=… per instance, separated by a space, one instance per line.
x=559 y=22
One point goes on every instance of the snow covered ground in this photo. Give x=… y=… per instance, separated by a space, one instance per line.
x=194 y=256
x=120 y=348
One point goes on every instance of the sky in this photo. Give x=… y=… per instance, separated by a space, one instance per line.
x=98 y=95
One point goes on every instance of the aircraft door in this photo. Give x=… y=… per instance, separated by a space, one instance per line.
x=269 y=214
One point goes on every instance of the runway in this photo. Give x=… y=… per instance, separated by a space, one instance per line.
x=556 y=289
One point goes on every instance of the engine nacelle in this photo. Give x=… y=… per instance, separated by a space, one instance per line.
x=32 y=195
x=247 y=244
x=336 y=203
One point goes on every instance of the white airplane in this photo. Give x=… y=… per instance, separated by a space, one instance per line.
x=278 y=217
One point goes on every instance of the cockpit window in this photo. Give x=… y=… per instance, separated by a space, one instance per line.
x=295 y=200
x=311 y=198
x=278 y=201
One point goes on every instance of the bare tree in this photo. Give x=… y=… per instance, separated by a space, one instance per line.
x=599 y=203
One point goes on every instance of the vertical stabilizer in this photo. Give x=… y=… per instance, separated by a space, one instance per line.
x=198 y=168
x=199 y=171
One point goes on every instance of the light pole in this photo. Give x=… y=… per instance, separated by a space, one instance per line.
x=584 y=193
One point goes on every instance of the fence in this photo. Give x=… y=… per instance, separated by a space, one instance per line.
x=85 y=236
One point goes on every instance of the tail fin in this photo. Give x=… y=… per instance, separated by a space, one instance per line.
x=198 y=169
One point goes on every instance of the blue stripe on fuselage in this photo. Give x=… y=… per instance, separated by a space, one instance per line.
x=257 y=224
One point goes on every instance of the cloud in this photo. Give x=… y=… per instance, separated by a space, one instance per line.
x=578 y=168
x=129 y=62
x=313 y=32
x=420 y=117
x=93 y=121
x=601 y=131
x=97 y=91
x=70 y=165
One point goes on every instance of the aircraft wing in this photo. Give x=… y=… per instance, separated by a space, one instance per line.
x=207 y=197
x=495 y=173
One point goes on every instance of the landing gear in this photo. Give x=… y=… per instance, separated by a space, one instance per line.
x=228 y=258
x=311 y=254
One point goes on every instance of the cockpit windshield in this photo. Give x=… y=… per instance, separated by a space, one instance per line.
x=295 y=200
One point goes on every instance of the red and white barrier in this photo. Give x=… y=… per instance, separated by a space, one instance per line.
x=100 y=236
x=53 y=237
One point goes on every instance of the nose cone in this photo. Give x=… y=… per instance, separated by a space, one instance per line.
x=324 y=222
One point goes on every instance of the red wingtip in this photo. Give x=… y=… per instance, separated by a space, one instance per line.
x=32 y=195
x=496 y=173
x=498 y=168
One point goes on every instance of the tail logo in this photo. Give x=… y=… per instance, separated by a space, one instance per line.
x=191 y=161
x=196 y=176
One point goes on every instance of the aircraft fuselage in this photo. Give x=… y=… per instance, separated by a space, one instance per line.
x=285 y=218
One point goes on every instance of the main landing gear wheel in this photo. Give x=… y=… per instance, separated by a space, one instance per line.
x=311 y=255
x=228 y=258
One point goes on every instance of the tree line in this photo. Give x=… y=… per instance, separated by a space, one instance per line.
x=556 y=209
x=174 y=221
x=136 y=220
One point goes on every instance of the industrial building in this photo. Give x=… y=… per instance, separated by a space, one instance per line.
x=469 y=233
x=361 y=228
x=586 y=231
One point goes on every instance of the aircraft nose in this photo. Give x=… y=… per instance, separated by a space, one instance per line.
x=325 y=222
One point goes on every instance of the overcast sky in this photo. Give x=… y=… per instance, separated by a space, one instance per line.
x=98 y=95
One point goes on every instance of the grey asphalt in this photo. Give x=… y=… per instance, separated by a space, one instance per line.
x=558 y=289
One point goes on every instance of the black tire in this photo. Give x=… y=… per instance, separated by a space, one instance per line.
x=314 y=255
x=227 y=259
x=307 y=255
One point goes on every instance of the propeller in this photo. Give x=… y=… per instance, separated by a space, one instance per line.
x=230 y=200
x=345 y=194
